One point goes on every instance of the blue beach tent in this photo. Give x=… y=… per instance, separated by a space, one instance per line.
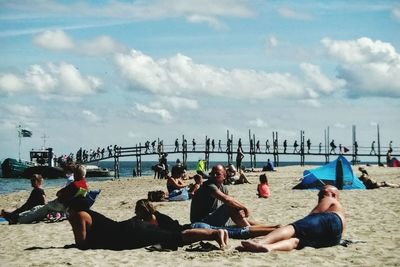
x=337 y=173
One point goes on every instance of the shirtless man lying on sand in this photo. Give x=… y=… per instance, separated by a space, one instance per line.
x=323 y=227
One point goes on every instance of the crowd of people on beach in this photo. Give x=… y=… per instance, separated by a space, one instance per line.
x=214 y=214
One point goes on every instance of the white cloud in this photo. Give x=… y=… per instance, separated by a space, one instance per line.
x=316 y=78
x=137 y=10
x=258 y=123
x=293 y=14
x=369 y=68
x=396 y=13
x=272 y=41
x=59 y=40
x=211 y=21
x=54 y=40
x=10 y=83
x=90 y=116
x=180 y=102
x=14 y=114
x=179 y=75
x=102 y=45
x=160 y=112
x=54 y=79
x=311 y=102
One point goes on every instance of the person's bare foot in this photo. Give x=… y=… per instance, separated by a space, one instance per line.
x=222 y=238
x=252 y=246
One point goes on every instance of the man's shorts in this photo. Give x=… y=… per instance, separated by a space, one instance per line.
x=319 y=230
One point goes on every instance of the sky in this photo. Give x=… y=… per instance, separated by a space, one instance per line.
x=96 y=73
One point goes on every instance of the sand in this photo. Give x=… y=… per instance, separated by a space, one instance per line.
x=373 y=217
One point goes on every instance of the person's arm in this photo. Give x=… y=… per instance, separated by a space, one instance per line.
x=175 y=183
x=324 y=205
x=230 y=201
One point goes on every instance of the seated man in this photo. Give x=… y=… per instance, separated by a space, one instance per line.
x=323 y=227
x=212 y=204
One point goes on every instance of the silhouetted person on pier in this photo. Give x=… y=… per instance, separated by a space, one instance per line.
x=109 y=151
x=239 y=158
x=219 y=146
x=308 y=146
x=390 y=147
x=267 y=146
x=160 y=147
x=213 y=145
x=194 y=145
x=276 y=146
x=153 y=146
x=258 y=146
x=372 y=148
x=320 y=148
x=333 y=147
x=102 y=152
x=295 y=145
x=355 y=147
x=176 y=145
x=208 y=144
x=184 y=145
x=228 y=145
x=251 y=145
x=147 y=146
x=284 y=146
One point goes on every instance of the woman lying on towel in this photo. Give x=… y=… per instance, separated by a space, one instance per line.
x=93 y=230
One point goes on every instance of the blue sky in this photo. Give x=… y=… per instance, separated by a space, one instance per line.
x=95 y=73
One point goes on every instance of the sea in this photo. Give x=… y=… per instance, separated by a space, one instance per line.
x=9 y=185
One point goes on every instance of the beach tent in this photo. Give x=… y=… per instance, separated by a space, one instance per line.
x=337 y=173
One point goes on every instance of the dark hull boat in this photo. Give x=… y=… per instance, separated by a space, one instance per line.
x=46 y=171
x=13 y=168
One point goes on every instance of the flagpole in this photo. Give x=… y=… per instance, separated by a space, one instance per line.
x=19 y=143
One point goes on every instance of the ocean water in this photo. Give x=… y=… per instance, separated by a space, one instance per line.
x=8 y=185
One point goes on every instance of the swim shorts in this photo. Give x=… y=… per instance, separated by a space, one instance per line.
x=319 y=230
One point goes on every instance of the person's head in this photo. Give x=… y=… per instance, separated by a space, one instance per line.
x=198 y=179
x=218 y=173
x=328 y=191
x=263 y=179
x=177 y=172
x=144 y=209
x=36 y=180
x=79 y=172
x=69 y=169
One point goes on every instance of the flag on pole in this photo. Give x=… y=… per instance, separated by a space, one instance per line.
x=26 y=133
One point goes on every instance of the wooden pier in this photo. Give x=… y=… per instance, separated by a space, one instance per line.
x=253 y=149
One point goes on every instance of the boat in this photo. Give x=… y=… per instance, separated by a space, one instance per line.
x=43 y=160
x=96 y=171
x=13 y=168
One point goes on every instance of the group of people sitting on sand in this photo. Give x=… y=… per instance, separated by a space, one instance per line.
x=212 y=212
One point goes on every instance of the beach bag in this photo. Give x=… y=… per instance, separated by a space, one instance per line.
x=156 y=196
x=179 y=195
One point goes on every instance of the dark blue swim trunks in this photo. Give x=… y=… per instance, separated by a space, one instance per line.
x=319 y=230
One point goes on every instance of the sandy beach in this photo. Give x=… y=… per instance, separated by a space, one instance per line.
x=373 y=217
